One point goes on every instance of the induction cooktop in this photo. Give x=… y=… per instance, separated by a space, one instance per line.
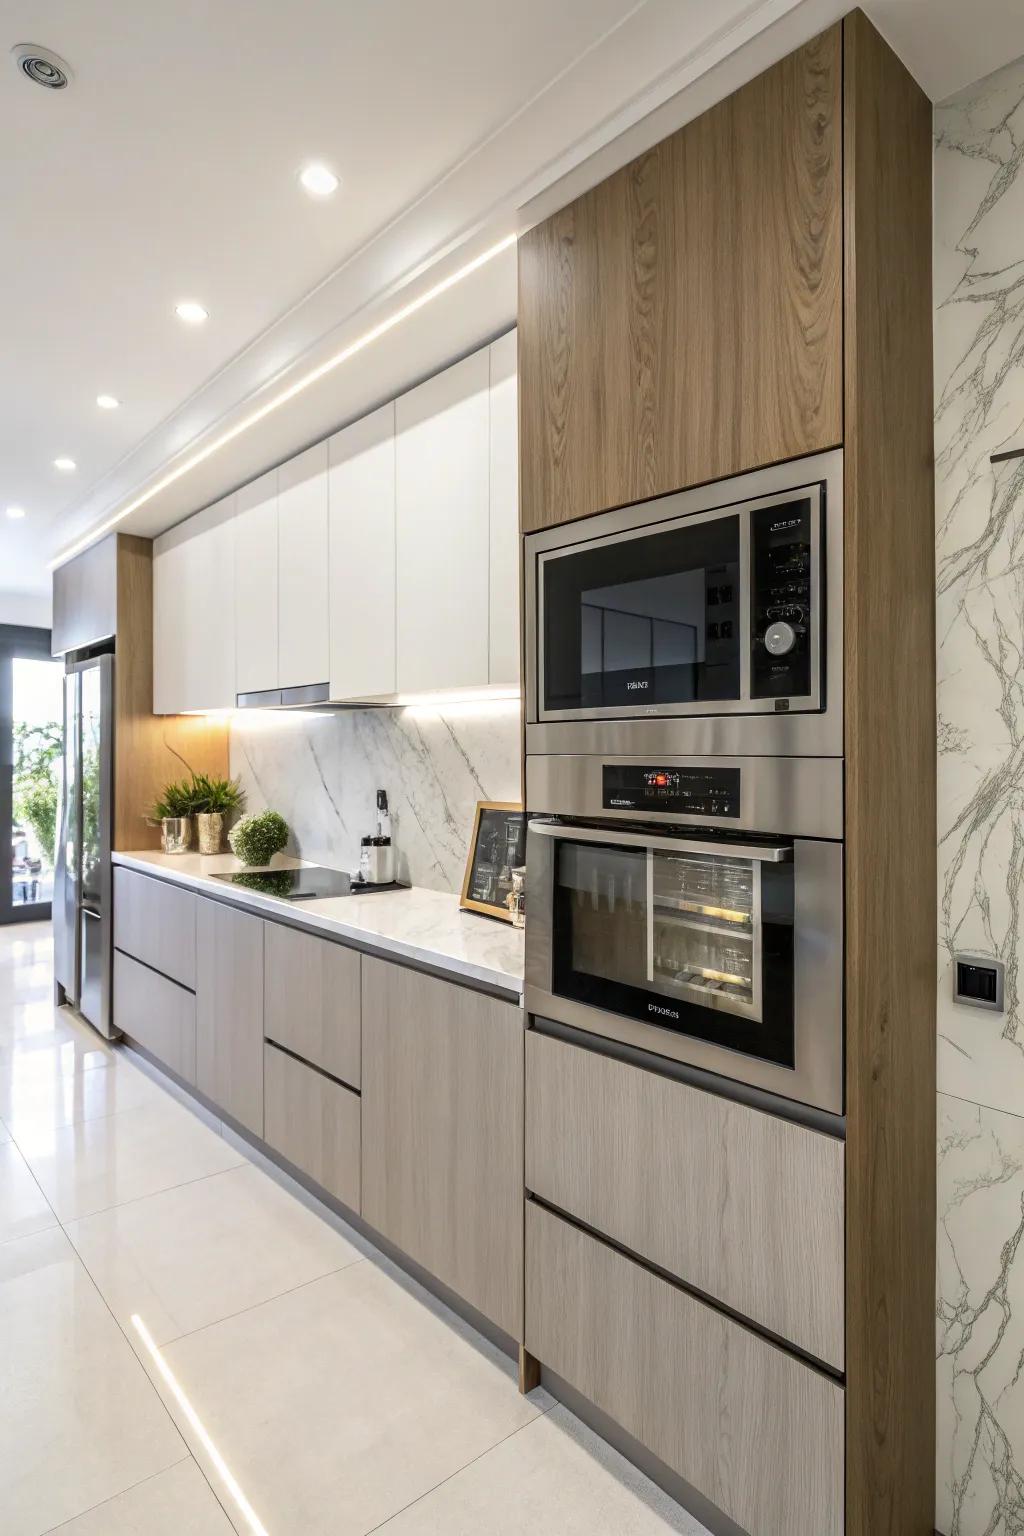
x=313 y=883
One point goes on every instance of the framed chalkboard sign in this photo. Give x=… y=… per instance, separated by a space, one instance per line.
x=497 y=847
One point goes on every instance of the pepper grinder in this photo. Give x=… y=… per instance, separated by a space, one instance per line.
x=382 y=853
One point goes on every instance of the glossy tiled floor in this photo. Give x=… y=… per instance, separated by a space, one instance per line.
x=187 y=1345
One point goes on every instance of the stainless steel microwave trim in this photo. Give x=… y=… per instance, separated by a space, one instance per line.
x=799 y=732
x=764 y=854
x=795 y=796
x=658 y=522
x=817 y=1078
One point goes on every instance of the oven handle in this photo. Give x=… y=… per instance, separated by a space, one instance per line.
x=614 y=838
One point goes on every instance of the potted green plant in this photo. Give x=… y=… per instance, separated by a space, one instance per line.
x=213 y=801
x=255 y=839
x=173 y=813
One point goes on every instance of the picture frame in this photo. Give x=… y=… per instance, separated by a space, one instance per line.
x=497 y=846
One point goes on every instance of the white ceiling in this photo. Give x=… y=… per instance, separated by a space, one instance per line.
x=168 y=170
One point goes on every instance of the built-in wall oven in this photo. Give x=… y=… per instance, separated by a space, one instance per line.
x=689 y=935
x=718 y=608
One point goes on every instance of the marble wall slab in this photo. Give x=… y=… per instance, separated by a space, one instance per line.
x=979 y=360
x=979 y=388
x=322 y=773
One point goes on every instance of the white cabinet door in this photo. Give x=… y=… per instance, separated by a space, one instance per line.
x=362 y=557
x=194 y=612
x=302 y=642
x=503 y=661
x=443 y=457
x=256 y=585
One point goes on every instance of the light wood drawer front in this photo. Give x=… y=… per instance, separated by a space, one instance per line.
x=311 y=1000
x=229 y=1010
x=743 y=1206
x=157 y=1013
x=156 y=922
x=752 y=1428
x=313 y=1122
x=443 y=1133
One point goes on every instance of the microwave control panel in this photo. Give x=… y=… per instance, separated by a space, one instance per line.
x=713 y=792
x=784 y=630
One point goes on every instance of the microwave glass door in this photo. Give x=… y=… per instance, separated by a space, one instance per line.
x=698 y=941
x=652 y=620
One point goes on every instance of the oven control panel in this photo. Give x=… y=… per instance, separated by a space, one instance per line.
x=784 y=630
x=713 y=792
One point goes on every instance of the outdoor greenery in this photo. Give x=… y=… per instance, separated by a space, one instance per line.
x=255 y=839
x=36 y=750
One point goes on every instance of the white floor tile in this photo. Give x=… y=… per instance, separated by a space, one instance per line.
x=177 y=1502
x=554 y=1477
x=42 y=1091
x=79 y=1420
x=23 y=1206
x=5 y=1134
x=95 y=1164
x=193 y=1255
x=340 y=1403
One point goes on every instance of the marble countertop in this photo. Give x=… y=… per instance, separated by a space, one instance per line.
x=415 y=924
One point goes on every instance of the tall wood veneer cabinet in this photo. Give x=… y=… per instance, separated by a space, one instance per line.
x=106 y=594
x=756 y=288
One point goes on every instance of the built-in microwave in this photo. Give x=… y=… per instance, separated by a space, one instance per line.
x=711 y=619
x=691 y=936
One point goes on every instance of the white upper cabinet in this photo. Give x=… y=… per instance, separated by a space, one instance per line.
x=194 y=612
x=443 y=529
x=362 y=557
x=256 y=586
x=503 y=658
x=302 y=640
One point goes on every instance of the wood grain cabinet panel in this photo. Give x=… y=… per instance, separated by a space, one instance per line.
x=443 y=1133
x=744 y=1206
x=312 y=1000
x=682 y=321
x=156 y=923
x=229 y=1010
x=752 y=1428
x=314 y=1123
x=157 y=1013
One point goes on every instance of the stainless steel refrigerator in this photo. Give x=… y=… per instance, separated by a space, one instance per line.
x=82 y=886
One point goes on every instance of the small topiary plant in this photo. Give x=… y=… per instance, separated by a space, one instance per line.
x=255 y=839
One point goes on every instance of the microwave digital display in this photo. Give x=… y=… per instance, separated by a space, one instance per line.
x=713 y=792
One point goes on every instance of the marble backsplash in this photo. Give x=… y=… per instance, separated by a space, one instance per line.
x=979 y=388
x=322 y=773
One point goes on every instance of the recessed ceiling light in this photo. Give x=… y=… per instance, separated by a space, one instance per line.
x=42 y=66
x=65 y=464
x=191 y=312
x=107 y=402
x=318 y=180
x=15 y=512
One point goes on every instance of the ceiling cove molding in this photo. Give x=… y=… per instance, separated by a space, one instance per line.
x=614 y=101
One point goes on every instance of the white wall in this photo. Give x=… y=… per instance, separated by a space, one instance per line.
x=31 y=608
x=979 y=389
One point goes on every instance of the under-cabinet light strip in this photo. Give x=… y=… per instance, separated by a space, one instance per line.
x=176 y=1390
x=276 y=401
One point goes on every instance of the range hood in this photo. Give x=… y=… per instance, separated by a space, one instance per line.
x=316 y=698
x=313 y=696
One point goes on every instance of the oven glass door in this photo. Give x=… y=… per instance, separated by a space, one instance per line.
x=698 y=940
x=652 y=620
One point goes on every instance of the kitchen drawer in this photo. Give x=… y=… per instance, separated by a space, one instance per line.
x=156 y=922
x=752 y=1428
x=311 y=1000
x=313 y=1122
x=742 y=1205
x=157 y=1013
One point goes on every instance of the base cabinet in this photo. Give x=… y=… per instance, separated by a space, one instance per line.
x=314 y=1123
x=157 y=1014
x=229 y=1011
x=443 y=1133
x=752 y=1428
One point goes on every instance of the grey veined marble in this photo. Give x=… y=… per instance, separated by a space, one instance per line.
x=979 y=359
x=980 y=1321
x=322 y=773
